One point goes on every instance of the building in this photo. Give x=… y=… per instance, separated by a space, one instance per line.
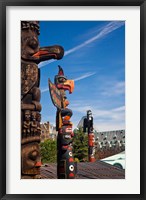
x=107 y=143
x=48 y=131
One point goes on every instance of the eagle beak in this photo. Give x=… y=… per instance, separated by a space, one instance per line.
x=50 y=52
x=69 y=85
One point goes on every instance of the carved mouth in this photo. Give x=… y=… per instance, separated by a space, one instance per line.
x=50 y=52
x=38 y=164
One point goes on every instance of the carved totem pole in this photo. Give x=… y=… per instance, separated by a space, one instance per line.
x=88 y=124
x=31 y=55
x=65 y=159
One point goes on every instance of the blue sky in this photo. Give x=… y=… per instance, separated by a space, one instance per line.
x=95 y=59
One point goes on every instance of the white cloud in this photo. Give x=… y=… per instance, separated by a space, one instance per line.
x=45 y=90
x=110 y=119
x=85 y=76
x=108 y=126
x=115 y=88
x=104 y=31
x=76 y=79
x=112 y=114
x=110 y=27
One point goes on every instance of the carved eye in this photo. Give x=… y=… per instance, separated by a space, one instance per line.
x=61 y=80
x=33 y=43
x=33 y=155
x=71 y=168
x=70 y=153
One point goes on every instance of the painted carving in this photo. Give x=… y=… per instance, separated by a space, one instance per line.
x=31 y=56
x=88 y=124
x=65 y=159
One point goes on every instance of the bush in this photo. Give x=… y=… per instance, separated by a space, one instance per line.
x=49 y=151
x=80 y=145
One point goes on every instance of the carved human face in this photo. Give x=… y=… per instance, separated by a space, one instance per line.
x=38 y=117
x=34 y=115
x=29 y=44
x=31 y=160
x=27 y=115
x=29 y=39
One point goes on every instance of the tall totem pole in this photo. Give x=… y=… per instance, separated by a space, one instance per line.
x=65 y=159
x=31 y=56
x=88 y=124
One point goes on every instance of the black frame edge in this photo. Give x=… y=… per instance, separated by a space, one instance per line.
x=142 y=95
x=3 y=4
x=2 y=102
x=73 y=2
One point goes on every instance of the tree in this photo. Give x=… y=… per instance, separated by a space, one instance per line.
x=80 y=145
x=49 y=151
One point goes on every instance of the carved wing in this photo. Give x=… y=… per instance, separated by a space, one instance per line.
x=55 y=95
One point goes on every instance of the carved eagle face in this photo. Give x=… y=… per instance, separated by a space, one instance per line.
x=30 y=49
x=62 y=82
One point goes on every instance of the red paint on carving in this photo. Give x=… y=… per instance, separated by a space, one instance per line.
x=71 y=175
x=69 y=148
x=64 y=147
x=38 y=164
x=71 y=160
x=91 y=159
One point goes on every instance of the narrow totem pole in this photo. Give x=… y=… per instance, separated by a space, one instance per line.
x=31 y=55
x=88 y=124
x=65 y=159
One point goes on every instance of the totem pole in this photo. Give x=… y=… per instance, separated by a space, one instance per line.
x=65 y=159
x=31 y=55
x=88 y=124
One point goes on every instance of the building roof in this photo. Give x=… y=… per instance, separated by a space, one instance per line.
x=86 y=170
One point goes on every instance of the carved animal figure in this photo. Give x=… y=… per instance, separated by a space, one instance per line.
x=65 y=159
x=31 y=55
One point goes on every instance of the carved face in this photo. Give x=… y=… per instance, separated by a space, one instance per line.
x=27 y=115
x=31 y=160
x=34 y=115
x=60 y=79
x=62 y=82
x=30 y=50
x=38 y=117
x=29 y=44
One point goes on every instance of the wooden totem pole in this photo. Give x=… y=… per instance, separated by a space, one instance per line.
x=88 y=124
x=31 y=55
x=65 y=159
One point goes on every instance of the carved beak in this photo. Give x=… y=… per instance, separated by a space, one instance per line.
x=67 y=85
x=47 y=53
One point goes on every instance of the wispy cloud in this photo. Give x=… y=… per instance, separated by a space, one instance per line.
x=104 y=119
x=110 y=27
x=115 y=113
x=85 y=76
x=76 y=79
x=45 y=90
x=109 y=126
x=116 y=88
x=104 y=31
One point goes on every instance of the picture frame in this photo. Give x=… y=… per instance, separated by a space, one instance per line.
x=3 y=100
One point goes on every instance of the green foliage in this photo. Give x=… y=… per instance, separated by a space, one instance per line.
x=49 y=151
x=76 y=160
x=80 y=145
